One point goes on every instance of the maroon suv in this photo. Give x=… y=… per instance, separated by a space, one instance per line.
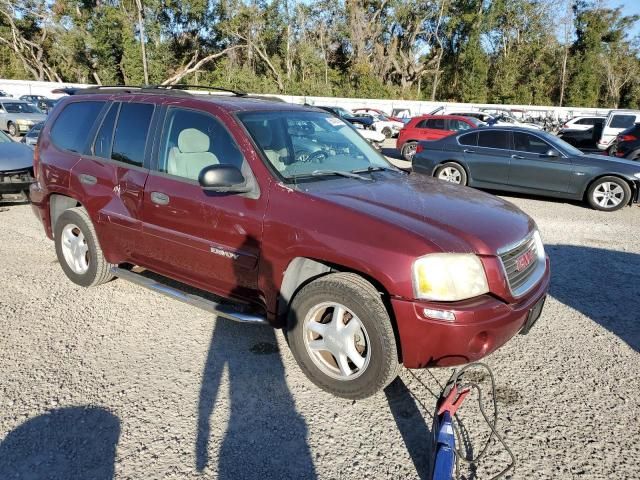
x=289 y=217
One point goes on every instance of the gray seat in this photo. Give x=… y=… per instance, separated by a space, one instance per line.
x=264 y=138
x=191 y=155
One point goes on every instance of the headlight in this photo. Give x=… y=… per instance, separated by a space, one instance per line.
x=449 y=277
x=22 y=121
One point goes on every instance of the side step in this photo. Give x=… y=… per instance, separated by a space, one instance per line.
x=225 y=311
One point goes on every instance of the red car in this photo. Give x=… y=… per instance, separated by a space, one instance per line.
x=430 y=127
x=291 y=217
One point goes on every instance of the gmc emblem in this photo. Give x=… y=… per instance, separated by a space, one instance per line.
x=524 y=260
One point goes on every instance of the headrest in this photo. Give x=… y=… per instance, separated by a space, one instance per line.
x=261 y=134
x=192 y=140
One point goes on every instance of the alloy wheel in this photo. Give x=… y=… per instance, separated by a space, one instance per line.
x=75 y=249
x=608 y=195
x=450 y=174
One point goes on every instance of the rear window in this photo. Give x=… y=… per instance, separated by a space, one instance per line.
x=493 y=139
x=622 y=121
x=71 y=129
x=131 y=133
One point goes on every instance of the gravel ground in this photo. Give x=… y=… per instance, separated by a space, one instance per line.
x=120 y=382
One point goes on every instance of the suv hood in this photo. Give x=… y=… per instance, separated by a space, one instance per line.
x=449 y=217
x=15 y=156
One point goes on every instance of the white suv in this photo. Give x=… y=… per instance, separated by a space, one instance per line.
x=616 y=122
x=582 y=122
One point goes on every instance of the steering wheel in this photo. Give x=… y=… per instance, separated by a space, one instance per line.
x=313 y=157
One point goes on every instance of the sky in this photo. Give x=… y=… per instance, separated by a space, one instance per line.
x=629 y=7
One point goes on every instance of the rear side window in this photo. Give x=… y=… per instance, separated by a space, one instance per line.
x=493 y=139
x=102 y=143
x=436 y=123
x=131 y=133
x=470 y=139
x=71 y=129
x=622 y=121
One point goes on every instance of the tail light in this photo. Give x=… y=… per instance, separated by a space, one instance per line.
x=627 y=138
x=419 y=148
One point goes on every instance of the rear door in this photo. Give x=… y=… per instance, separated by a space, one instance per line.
x=487 y=157
x=209 y=240
x=435 y=128
x=532 y=170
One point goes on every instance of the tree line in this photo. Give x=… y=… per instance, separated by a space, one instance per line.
x=570 y=52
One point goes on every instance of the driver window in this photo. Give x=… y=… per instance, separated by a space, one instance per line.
x=524 y=142
x=194 y=140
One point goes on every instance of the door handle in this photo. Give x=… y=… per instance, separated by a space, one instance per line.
x=468 y=150
x=88 y=179
x=159 y=198
x=519 y=157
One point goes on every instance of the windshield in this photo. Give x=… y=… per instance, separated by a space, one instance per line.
x=20 y=107
x=297 y=144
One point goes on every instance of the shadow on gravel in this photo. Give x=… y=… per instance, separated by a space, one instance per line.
x=601 y=284
x=411 y=425
x=76 y=442
x=264 y=437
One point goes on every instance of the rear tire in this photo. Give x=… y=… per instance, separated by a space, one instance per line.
x=13 y=130
x=409 y=151
x=341 y=335
x=452 y=172
x=387 y=132
x=609 y=194
x=78 y=249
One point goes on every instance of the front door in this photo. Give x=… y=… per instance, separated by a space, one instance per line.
x=209 y=240
x=533 y=170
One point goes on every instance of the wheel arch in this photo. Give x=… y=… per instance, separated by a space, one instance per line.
x=303 y=270
x=58 y=203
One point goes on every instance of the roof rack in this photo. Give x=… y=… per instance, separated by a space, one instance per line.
x=185 y=86
x=179 y=89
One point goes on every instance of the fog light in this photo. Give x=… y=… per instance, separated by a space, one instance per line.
x=446 y=315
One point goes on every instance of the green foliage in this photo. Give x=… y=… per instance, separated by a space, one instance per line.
x=500 y=51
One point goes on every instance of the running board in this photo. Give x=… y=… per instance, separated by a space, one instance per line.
x=218 y=309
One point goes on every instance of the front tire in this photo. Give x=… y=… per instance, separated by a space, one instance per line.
x=609 y=194
x=452 y=172
x=78 y=249
x=387 y=132
x=341 y=335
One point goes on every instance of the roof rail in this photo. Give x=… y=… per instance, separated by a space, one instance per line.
x=185 y=86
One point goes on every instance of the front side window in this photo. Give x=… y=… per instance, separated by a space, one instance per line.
x=493 y=139
x=301 y=143
x=71 y=128
x=194 y=140
x=524 y=142
x=458 y=125
x=622 y=121
x=131 y=133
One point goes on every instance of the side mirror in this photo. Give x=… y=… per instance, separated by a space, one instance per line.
x=552 y=153
x=223 y=179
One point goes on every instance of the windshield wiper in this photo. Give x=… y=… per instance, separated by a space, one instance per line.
x=371 y=168
x=342 y=173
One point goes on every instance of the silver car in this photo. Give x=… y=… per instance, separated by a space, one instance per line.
x=17 y=116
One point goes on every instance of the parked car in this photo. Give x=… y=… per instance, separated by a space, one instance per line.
x=627 y=143
x=616 y=122
x=582 y=123
x=18 y=116
x=483 y=117
x=16 y=166
x=31 y=137
x=47 y=104
x=383 y=124
x=519 y=160
x=4 y=94
x=365 y=266
x=582 y=139
x=33 y=99
x=430 y=127
x=377 y=112
x=504 y=117
x=366 y=122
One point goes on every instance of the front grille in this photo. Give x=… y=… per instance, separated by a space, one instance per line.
x=518 y=278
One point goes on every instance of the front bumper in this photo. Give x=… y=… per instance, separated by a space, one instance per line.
x=481 y=326
x=15 y=181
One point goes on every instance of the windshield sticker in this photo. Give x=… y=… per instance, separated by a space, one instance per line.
x=336 y=122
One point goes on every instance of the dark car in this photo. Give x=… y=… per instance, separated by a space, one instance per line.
x=519 y=160
x=365 y=266
x=31 y=137
x=366 y=122
x=46 y=104
x=627 y=143
x=16 y=166
x=582 y=139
